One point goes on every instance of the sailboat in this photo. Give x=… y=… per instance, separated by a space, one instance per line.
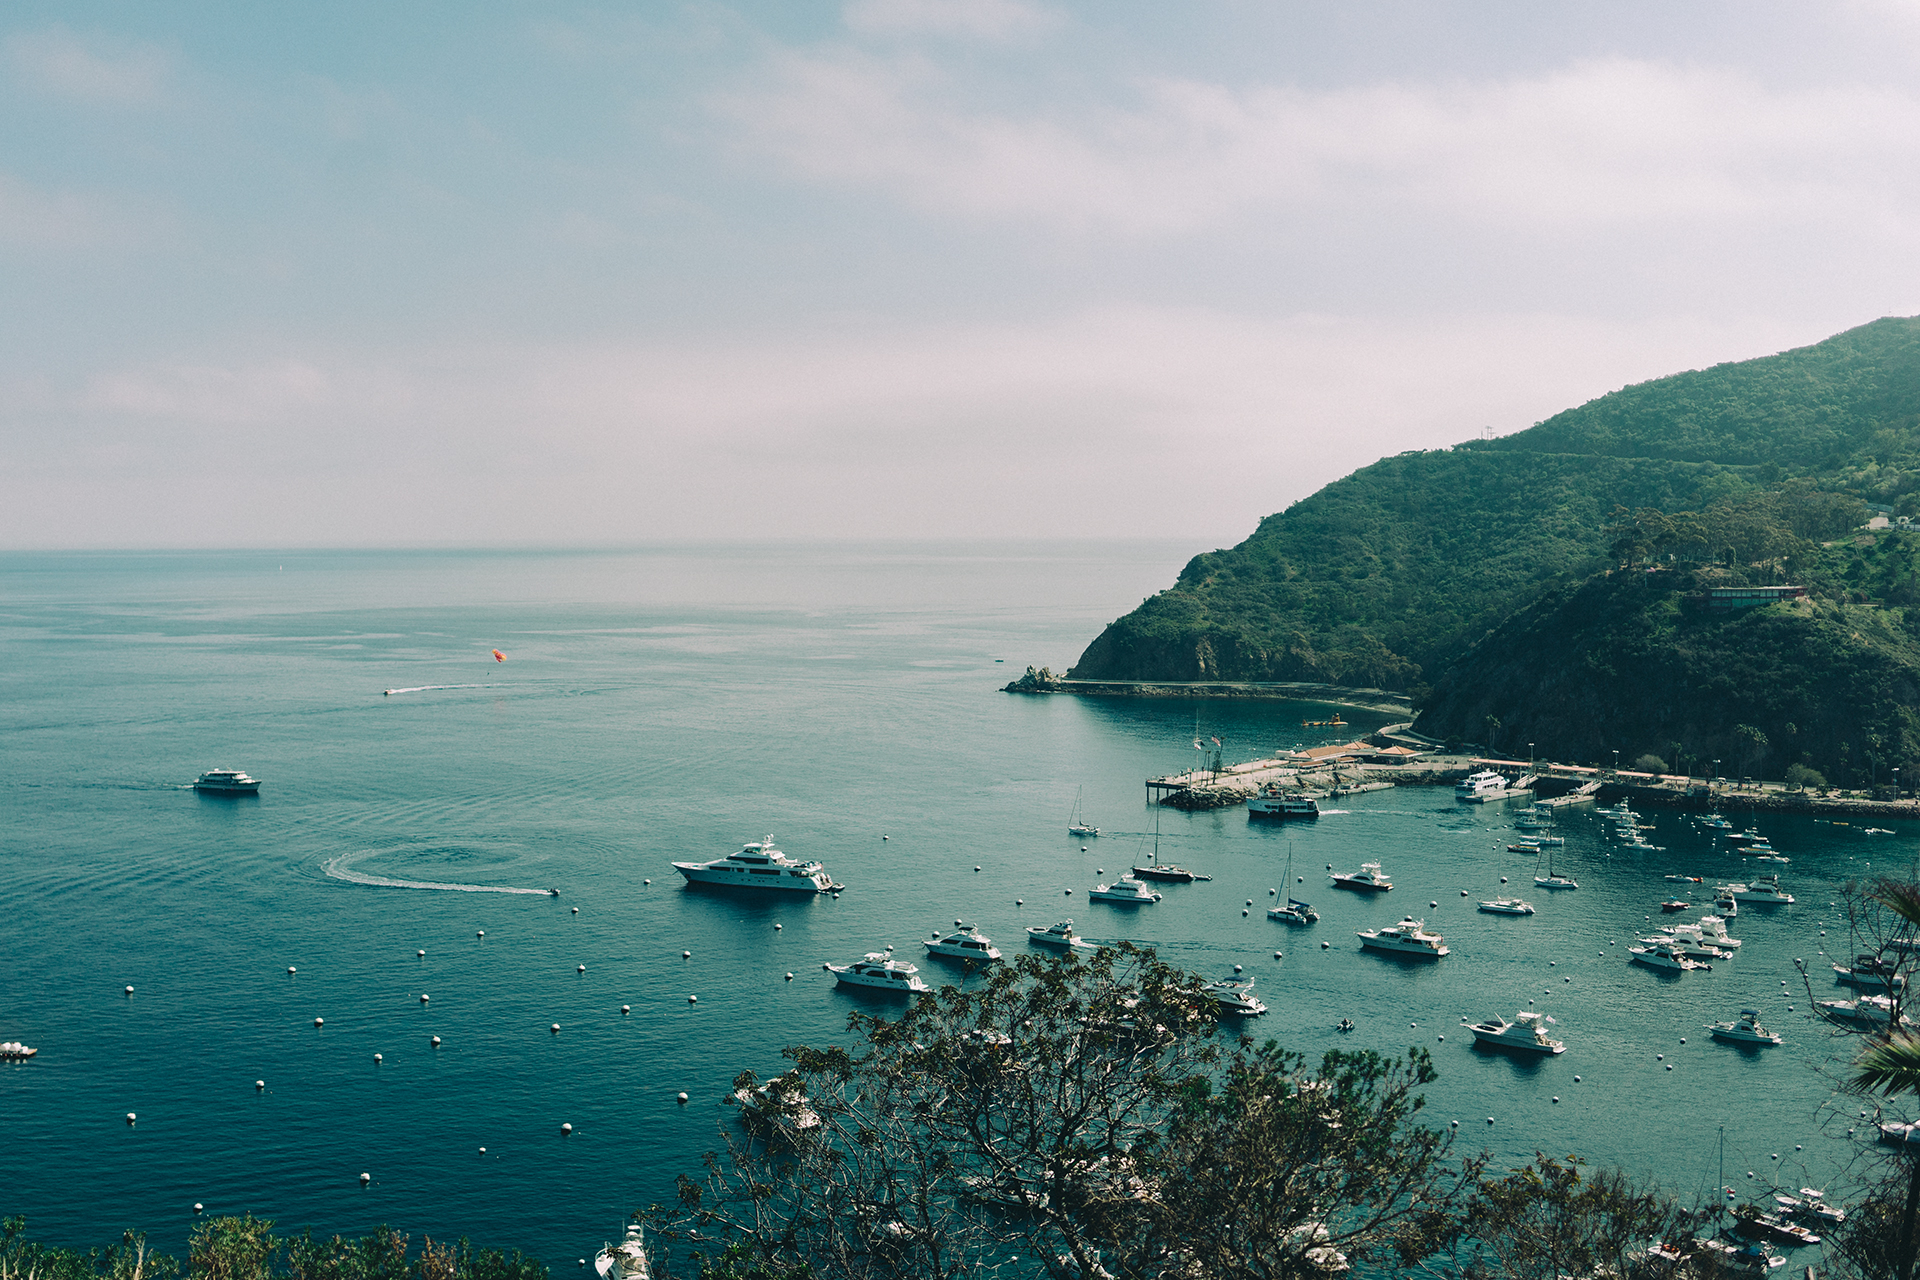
x=1550 y=880
x=1295 y=911
x=1077 y=825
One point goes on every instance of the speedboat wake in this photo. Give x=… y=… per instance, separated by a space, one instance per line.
x=341 y=868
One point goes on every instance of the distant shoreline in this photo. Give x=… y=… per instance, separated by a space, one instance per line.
x=1292 y=690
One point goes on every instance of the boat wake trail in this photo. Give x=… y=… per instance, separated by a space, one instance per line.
x=423 y=688
x=341 y=868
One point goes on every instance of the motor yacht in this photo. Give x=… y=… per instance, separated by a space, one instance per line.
x=1664 y=954
x=227 y=782
x=1126 y=891
x=627 y=1260
x=1368 y=879
x=1761 y=890
x=1751 y=1222
x=1060 y=936
x=1744 y=1030
x=879 y=970
x=1772 y=857
x=1714 y=929
x=1507 y=907
x=1811 y=1203
x=1697 y=937
x=1282 y=802
x=776 y=1105
x=14 y=1051
x=1168 y=873
x=1674 y=904
x=1726 y=905
x=1234 y=999
x=1534 y=818
x=1409 y=937
x=1901 y=1135
x=1869 y=1012
x=1688 y=946
x=1526 y=1033
x=760 y=866
x=966 y=942
x=1715 y=822
x=1294 y=912
x=1871 y=973
x=1524 y=846
x=1477 y=787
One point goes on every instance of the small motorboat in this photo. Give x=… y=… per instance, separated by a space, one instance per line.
x=1683 y=880
x=1125 y=891
x=1345 y=1024
x=1746 y=1029
x=1368 y=879
x=1234 y=999
x=880 y=971
x=1751 y=1222
x=1526 y=1033
x=1524 y=846
x=1168 y=873
x=1507 y=907
x=1295 y=912
x=1059 y=936
x=1674 y=904
x=627 y=1260
x=14 y=1051
x=966 y=942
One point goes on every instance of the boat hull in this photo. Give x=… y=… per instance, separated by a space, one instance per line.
x=1361 y=886
x=1414 y=951
x=1532 y=1047
x=698 y=874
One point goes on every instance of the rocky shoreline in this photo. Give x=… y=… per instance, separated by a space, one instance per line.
x=1044 y=681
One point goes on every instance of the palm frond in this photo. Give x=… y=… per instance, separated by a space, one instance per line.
x=1889 y=1066
x=1902 y=897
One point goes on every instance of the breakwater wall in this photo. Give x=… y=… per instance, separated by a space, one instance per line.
x=1293 y=690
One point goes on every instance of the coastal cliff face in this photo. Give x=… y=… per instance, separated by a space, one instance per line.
x=1388 y=576
x=1631 y=661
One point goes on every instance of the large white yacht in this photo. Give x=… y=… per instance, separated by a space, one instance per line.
x=227 y=782
x=1483 y=785
x=1665 y=954
x=1368 y=879
x=1763 y=890
x=760 y=866
x=1234 y=999
x=625 y=1261
x=1060 y=936
x=965 y=943
x=881 y=971
x=1527 y=1033
x=1409 y=937
x=1124 y=890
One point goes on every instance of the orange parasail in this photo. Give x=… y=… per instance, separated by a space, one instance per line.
x=499 y=656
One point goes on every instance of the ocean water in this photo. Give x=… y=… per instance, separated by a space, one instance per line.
x=671 y=704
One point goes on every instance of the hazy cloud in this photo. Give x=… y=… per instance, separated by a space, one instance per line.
x=978 y=19
x=83 y=69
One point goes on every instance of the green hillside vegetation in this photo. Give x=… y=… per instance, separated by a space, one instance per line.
x=1386 y=577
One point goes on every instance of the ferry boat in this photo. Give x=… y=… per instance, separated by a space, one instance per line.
x=1059 y=936
x=1476 y=787
x=1745 y=1029
x=1368 y=879
x=227 y=782
x=1409 y=937
x=1507 y=907
x=1234 y=999
x=1526 y=1033
x=760 y=866
x=628 y=1260
x=1278 y=802
x=882 y=972
x=1126 y=890
x=1168 y=873
x=965 y=943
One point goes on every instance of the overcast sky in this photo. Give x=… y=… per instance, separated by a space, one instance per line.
x=335 y=273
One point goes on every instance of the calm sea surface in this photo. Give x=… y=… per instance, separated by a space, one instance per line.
x=672 y=704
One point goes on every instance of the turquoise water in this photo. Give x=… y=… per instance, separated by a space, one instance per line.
x=670 y=705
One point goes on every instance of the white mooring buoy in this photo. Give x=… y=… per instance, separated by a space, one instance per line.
x=625 y=1009
x=576 y=911
x=259 y=1085
x=377 y=1059
x=424 y=997
x=365 y=1178
x=686 y=955
x=579 y=968
x=681 y=1099
x=556 y=1028
x=131 y=1117
x=789 y=976
x=421 y=954
x=319 y=1022
x=436 y=1042
x=290 y=971
x=566 y=1128
x=479 y=933
x=198 y=1207
x=129 y=990
x=693 y=999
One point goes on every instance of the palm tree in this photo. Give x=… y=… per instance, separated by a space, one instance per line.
x=1890 y=1065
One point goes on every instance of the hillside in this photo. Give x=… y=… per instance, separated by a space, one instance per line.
x=1385 y=577
x=1628 y=662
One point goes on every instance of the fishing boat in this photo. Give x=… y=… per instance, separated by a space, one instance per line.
x=1755 y=1224
x=1674 y=904
x=777 y=1105
x=1077 y=825
x=1745 y=1029
x=1869 y=1012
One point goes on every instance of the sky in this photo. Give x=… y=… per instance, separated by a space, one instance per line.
x=363 y=274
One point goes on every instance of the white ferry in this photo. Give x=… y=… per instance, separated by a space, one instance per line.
x=880 y=970
x=760 y=866
x=1277 y=802
x=227 y=782
x=1484 y=785
x=1409 y=937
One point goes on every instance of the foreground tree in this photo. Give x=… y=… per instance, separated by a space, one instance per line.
x=245 y=1248
x=1074 y=1118
x=1558 y=1218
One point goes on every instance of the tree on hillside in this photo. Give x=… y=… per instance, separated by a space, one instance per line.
x=1073 y=1118
x=1557 y=1218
